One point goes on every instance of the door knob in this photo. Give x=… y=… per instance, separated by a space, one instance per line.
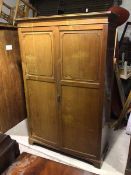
x=58 y=98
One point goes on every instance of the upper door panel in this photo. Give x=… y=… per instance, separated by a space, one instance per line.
x=39 y=52
x=81 y=53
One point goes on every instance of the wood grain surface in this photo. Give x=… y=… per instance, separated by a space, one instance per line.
x=28 y=164
x=12 y=102
x=67 y=66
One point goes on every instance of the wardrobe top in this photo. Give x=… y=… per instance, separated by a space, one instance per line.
x=107 y=14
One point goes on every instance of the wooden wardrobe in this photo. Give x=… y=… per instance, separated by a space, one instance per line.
x=12 y=101
x=68 y=69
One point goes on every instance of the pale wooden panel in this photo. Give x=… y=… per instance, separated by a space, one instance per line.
x=80 y=52
x=80 y=119
x=42 y=110
x=38 y=53
x=61 y=22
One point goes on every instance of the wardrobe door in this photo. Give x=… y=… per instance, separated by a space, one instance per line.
x=81 y=108
x=39 y=57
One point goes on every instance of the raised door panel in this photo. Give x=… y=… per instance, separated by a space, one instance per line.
x=39 y=53
x=43 y=111
x=80 y=54
x=80 y=119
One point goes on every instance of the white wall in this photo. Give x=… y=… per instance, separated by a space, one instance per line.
x=10 y=3
x=127 y=5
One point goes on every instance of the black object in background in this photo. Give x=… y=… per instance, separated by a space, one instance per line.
x=55 y=7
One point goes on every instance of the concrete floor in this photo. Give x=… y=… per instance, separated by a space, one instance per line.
x=114 y=163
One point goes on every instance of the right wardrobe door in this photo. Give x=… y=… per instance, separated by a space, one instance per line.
x=81 y=92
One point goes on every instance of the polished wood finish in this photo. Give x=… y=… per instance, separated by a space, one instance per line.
x=31 y=164
x=67 y=66
x=9 y=151
x=12 y=102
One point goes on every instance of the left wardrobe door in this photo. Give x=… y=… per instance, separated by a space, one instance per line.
x=39 y=68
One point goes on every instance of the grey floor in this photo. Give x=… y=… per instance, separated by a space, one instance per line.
x=114 y=163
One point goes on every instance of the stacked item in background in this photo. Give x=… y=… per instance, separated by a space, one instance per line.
x=21 y=9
